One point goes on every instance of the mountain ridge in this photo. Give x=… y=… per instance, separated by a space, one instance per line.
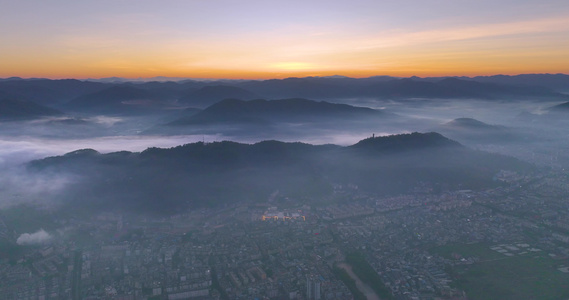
x=202 y=93
x=11 y=109
x=201 y=174
x=266 y=111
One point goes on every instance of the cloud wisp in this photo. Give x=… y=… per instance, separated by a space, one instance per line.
x=37 y=238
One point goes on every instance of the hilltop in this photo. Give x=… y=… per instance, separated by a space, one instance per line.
x=199 y=174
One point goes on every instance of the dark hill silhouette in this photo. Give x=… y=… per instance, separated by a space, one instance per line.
x=383 y=87
x=270 y=118
x=557 y=82
x=405 y=142
x=472 y=131
x=18 y=110
x=11 y=78
x=308 y=87
x=168 y=90
x=470 y=123
x=48 y=92
x=412 y=88
x=563 y=107
x=492 y=90
x=209 y=95
x=285 y=110
x=202 y=94
x=196 y=175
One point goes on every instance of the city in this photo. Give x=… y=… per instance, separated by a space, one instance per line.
x=421 y=245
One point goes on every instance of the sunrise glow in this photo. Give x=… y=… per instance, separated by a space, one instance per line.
x=276 y=39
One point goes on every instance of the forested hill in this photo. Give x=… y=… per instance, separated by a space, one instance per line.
x=202 y=174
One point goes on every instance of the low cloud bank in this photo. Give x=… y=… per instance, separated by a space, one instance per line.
x=37 y=238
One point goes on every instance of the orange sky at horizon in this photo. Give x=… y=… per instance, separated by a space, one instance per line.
x=424 y=70
x=257 y=40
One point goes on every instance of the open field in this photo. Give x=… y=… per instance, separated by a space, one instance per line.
x=497 y=276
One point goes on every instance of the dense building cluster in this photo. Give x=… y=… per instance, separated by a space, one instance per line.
x=292 y=250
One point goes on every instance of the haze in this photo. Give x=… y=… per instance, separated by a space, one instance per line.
x=408 y=150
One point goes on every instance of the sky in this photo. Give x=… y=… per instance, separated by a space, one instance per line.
x=261 y=39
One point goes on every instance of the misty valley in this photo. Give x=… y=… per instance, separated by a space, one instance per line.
x=297 y=188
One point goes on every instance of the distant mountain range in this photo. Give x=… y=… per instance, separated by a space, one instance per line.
x=380 y=88
x=22 y=110
x=204 y=93
x=46 y=91
x=557 y=82
x=197 y=175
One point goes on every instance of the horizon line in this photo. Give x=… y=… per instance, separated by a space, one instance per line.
x=111 y=79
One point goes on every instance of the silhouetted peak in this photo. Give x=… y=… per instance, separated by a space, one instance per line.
x=297 y=106
x=11 y=78
x=450 y=80
x=406 y=142
x=82 y=152
x=467 y=122
x=211 y=94
x=560 y=107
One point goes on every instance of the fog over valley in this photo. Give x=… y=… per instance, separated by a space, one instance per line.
x=114 y=117
x=239 y=189
x=284 y=150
